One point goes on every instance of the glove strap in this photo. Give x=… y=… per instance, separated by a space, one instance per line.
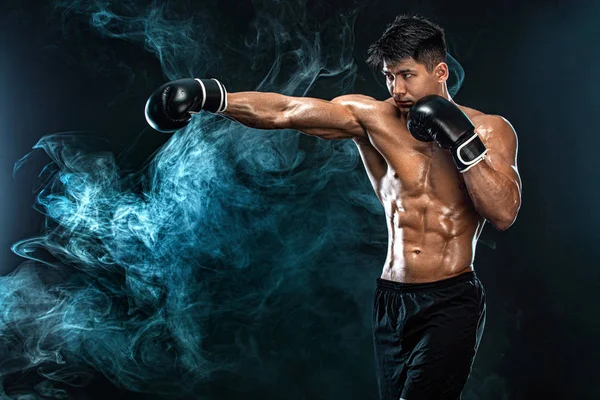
x=214 y=97
x=469 y=153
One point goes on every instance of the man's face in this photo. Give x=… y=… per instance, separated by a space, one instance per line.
x=408 y=81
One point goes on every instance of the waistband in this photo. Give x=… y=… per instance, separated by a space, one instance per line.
x=416 y=287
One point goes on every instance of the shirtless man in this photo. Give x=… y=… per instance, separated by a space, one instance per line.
x=440 y=171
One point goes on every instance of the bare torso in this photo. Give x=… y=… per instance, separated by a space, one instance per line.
x=432 y=224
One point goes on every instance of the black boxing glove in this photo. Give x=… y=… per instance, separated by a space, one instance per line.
x=170 y=107
x=436 y=118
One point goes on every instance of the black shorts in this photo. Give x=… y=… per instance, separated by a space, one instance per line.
x=426 y=336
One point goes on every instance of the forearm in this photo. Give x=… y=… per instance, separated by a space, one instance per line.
x=495 y=196
x=258 y=109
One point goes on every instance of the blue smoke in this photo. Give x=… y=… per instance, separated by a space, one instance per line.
x=218 y=259
x=457 y=75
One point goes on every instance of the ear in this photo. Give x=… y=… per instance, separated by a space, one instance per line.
x=441 y=72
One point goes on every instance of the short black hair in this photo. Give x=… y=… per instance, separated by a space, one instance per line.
x=409 y=36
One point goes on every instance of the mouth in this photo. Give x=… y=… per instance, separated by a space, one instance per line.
x=404 y=103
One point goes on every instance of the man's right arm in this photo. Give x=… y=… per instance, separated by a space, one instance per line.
x=170 y=107
x=340 y=118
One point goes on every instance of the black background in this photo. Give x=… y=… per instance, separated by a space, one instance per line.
x=534 y=63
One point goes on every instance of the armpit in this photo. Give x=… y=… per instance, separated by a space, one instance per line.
x=361 y=140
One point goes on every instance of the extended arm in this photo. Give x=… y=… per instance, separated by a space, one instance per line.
x=339 y=118
x=170 y=107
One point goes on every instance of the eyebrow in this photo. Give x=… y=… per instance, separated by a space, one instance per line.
x=402 y=71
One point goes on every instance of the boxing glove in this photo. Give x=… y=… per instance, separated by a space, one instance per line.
x=436 y=118
x=170 y=107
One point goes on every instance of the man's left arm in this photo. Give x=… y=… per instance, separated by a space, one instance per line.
x=494 y=183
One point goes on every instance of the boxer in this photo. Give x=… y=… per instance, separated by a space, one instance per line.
x=440 y=170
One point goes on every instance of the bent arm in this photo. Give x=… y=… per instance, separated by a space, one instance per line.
x=335 y=119
x=494 y=184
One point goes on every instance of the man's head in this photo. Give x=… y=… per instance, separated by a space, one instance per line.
x=411 y=54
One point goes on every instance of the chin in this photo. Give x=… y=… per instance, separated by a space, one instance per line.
x=404 y=110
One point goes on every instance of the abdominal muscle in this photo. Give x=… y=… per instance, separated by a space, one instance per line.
x=428 y=242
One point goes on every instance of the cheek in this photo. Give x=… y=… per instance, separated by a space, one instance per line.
x=418 y=87
x=413 y=87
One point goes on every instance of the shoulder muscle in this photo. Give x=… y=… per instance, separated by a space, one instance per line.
x=496 y=132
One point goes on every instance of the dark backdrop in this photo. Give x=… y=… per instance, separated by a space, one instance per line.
x=533 y=63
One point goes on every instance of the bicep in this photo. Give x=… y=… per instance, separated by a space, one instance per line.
x=335 y=119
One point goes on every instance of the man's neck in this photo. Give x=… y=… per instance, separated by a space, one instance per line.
x=445 y=94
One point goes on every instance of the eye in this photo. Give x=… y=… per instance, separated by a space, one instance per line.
x=406 y=76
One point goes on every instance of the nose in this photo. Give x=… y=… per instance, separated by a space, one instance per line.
x=399 y=89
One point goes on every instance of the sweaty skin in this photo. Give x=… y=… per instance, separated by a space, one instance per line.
x=432 y=221
x=432 y=224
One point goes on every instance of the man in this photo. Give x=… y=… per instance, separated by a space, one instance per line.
x=440 y=171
